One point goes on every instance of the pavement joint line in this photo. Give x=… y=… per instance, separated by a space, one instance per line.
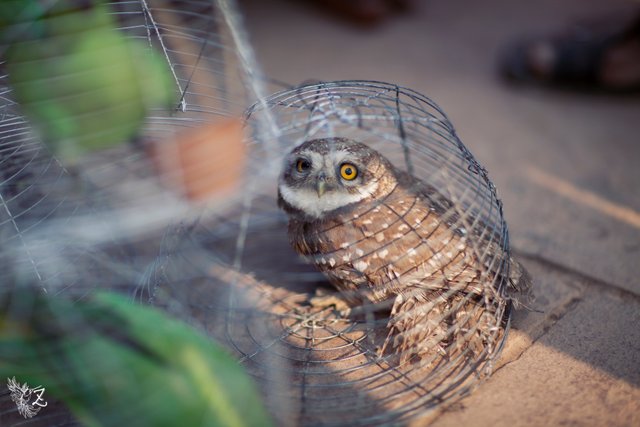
x=549 y=322
x=556 y=315
x=588 y=280
x=584 y=197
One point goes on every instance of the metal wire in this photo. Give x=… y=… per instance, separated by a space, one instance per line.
x=330 y=369
x=227 y=267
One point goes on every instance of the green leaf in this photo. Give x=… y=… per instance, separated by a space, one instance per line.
x=114 y=363
x=83 y=84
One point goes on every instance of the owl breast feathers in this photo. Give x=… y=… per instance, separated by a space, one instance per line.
x=390 y=237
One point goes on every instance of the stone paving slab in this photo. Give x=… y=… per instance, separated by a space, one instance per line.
x=551 y=226
x=555 y=294
x=584 y=370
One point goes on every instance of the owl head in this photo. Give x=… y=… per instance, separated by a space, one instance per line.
x=323 y=175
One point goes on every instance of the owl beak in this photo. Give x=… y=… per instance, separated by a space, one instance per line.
x=321 y=184
x=321 y=187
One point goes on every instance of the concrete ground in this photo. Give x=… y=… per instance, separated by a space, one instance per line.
x=566 y=165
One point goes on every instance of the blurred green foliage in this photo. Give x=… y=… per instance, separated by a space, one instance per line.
x=82 y=83
x=114 y=363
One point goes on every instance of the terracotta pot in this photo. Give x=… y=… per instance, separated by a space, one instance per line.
x=204 y=162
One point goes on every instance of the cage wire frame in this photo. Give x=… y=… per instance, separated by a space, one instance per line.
x=95 y=226
x=212 y=80
x=209 y=266
x=316 y=366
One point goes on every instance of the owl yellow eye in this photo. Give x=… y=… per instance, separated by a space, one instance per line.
x=348 y=171
x=303 y=165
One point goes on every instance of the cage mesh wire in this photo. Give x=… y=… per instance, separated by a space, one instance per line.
x=98 y=225
x=328 y=365
x=226 y=266
x=118 y=188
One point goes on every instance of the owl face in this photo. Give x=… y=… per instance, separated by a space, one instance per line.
x=323 y=175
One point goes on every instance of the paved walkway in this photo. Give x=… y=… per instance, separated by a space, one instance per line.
x=567 y=167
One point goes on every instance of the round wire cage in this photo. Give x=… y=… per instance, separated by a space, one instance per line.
x=226 y=265
x=236 y=272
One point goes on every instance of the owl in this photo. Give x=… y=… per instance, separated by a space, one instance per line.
x=386 y=239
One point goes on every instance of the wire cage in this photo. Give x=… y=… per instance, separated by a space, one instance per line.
x=225 y=264
x=324 y=367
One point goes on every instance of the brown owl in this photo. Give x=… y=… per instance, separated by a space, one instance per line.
x=384 y=238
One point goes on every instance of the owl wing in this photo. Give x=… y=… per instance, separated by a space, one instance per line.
x=441 y=314
x=428 y=252
x=394 y=245
x=485 y=244
x=411 y=239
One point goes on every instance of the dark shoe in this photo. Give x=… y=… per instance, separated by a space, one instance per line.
x=576 y=60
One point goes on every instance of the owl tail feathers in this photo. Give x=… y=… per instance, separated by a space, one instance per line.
x=427 y=328
x=415 y=333
x=520 y=289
